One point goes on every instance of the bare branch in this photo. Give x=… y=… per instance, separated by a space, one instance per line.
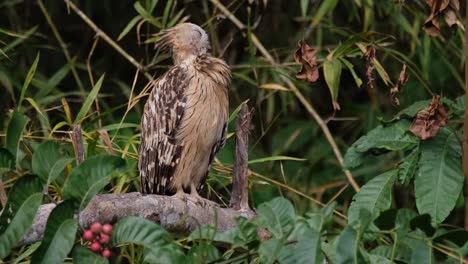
x=172 y=213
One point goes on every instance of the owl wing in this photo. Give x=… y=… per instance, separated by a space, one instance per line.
x=214 y=151
x=159 y=151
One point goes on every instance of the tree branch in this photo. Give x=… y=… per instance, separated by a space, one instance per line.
x=172 y=213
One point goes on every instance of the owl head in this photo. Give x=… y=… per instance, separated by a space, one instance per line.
x=185 y=40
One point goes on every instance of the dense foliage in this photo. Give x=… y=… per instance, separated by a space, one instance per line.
x=392 y=196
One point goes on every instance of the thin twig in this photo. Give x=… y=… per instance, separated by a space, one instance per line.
x=296 y=192
x=63 y=46
x=107 y=39
x=91 y=79
x=448 y=253
x=295 y=90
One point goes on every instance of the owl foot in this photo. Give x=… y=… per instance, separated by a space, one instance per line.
x=197 y=199
x=181 y=195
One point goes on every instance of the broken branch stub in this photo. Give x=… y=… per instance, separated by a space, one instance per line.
x=239 y=196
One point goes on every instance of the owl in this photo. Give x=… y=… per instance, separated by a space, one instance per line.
x=184 y=123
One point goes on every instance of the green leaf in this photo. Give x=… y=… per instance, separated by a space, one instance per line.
x=382 y=73
x=375 y=196
x=353 y=72
x=59 y=235
x=413 y=109
x=7 y=161
x=439 y=179
x=82 y=255
x=376 y=259
x=392 y=137
x=332 y=73
x=167 y=9
x=408 y=167
x=29 y=77
x=353 y=158
x=402 y=252
x=325 y=7
x=139 y=231
x=28 y=252
x=34 y=105
x=15 y=130
x=307 y=249
x=20 y=39
x=347 y=249
x=90 y=177
x=169 y=253
x=129 y=27
x=269 y=250
x=273 y=158
x=236 y=111
x=89 y=100
x=146 y=15
x=59 y=75
x=421 y=248
x=203 y=253
x=242 y=234
x=157 y=241
x=48 y=161
x=175 y=19
x=278 y=216
x=17 y=217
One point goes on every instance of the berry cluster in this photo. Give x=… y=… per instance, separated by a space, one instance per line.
x=99 y=236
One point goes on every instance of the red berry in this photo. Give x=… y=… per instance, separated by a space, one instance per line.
x=96 y=227
x=95 y=247
x=106 y=253
x=104 y=238
x=88 y=235
x=107 y=228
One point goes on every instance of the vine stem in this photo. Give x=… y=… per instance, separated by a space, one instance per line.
x=310 y=109
x=465 y=125
x=107 y=39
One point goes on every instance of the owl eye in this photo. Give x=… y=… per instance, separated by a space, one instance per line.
x=199 y=33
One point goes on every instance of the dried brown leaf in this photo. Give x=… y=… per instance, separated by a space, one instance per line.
x=429 y=120
x=450 y=17
x=370 y=67
x=447 y=9
x=399 y=86
x=306 y=56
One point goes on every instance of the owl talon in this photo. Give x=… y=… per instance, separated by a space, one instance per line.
x=181 y=195
x=197 y=199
